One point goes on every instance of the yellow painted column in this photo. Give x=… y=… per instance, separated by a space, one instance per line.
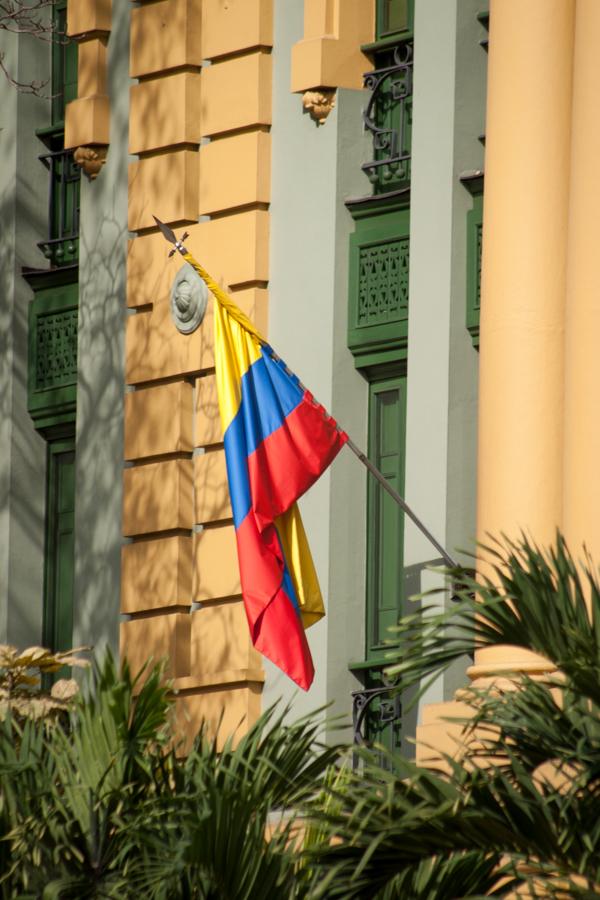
x=582 y=320
x=523 y=269
x=526 y=207
x=528 y=141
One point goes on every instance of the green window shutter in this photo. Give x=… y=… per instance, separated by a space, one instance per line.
x=385 y=523
x=52 y=359
x=378 y=296
x=394 y=18
x=64 y=66
x=60 y=536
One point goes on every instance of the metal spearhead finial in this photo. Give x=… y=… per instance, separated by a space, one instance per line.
x=169 y=235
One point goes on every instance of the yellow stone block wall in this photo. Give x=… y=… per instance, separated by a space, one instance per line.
x=200 y=133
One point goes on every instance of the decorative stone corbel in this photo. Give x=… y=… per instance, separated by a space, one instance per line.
x=319 y=104
x=87 y=119
x=91 y=159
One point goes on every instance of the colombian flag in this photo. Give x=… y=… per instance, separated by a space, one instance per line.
x=278 y=441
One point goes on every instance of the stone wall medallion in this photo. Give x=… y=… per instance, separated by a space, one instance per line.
x=189 y=296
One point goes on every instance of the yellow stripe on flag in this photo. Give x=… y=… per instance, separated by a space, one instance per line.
x=237 y=350
x=301 y=566
x=224 y=300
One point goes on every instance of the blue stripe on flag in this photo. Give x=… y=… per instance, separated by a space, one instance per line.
x=288 y=584
x=237 y=472
x=269 y=395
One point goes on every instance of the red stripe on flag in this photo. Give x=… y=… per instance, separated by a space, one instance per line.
x=261 y=567
x=291 y=459
x=281 y=638
x=275 y=626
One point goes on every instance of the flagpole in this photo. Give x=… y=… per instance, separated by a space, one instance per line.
x=372 y=468
x=401 y=502
x=169 y=235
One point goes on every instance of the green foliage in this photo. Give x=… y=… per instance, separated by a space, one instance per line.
x=102 y=806
x=64 y=798
x=520 y=808
x=226 y=827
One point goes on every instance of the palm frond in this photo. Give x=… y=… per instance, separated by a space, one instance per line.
x=538 y=600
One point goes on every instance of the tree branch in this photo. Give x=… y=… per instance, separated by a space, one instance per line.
x=24 y=87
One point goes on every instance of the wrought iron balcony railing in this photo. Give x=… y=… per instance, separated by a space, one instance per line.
x=377 y=719
x=388 y=117
x=62 y=245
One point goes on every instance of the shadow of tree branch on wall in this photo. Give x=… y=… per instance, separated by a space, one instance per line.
x=23 y=206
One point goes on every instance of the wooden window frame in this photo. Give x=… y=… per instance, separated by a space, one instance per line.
x=378 y=642
x=57 y=628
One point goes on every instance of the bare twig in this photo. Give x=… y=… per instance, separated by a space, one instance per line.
x=24 y=87
x=27 y=18
x=33 y=18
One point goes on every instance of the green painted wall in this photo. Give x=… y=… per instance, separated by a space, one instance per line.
x=23 y=205
x=100 y=381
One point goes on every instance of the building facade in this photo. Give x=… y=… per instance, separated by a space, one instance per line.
x=327 y=161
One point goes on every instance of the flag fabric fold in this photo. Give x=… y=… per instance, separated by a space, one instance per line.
x=278 y=441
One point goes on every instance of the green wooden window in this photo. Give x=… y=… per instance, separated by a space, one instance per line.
x=60 y=536
x=52 y=381
x=393 y=17
x=378 y=296
x=52 y=343
x=385 y=521
x=64 y=66
x=474 y=247
x=52 y=388
x=382 y=282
